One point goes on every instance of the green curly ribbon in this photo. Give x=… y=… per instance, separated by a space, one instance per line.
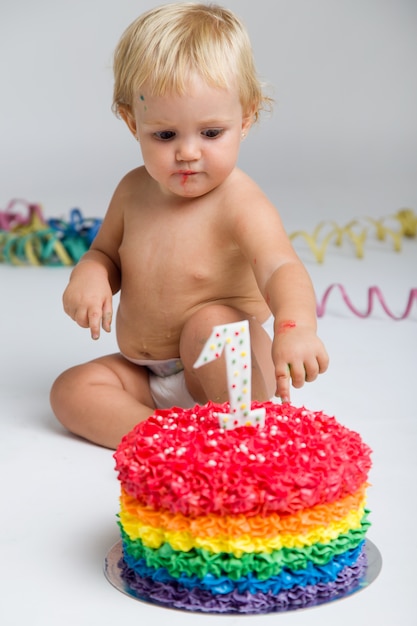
x=29 y=239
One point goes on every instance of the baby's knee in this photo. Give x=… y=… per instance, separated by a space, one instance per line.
x=199 y=326
x=58 y=391
x=65 y=394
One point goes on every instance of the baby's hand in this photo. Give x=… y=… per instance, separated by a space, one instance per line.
x=299 y=355
x=88 y=301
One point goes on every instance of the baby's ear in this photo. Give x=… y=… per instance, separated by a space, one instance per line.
x=248 y=119
x=126 y=113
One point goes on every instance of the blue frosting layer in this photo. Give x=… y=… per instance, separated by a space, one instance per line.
x=311 y=575
x=174 y=595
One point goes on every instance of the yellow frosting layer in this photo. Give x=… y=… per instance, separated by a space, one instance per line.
x=184 y=542
x=236 y=540
x=263 y=526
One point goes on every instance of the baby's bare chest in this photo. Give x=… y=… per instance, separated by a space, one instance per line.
x=181 y=255
x=171 y=268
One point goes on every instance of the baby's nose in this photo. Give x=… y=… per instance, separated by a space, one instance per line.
x=188 y=150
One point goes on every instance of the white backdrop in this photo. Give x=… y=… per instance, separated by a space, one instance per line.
x=341 y=144
x=342 y=138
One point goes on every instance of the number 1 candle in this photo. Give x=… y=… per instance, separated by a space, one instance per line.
x=234 y=339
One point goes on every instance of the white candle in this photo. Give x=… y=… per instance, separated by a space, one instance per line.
x=235 y=340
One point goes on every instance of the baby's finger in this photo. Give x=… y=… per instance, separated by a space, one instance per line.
x=283 y=383
x=79 y=316
x=107 y=320
x=94 y=322
x=312 y=370
x=323 y=362
x=298 y=374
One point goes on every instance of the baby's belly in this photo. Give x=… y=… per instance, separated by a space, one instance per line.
x=154 y=338
x=156 y=335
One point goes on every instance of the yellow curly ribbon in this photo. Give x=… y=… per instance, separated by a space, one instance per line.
x=406 y=218
x=408 y=221
x=30 y=239
x=33 y=248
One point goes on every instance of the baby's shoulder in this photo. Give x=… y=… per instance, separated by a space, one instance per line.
x=133 y=180
x=131 y=190
x=242 y=193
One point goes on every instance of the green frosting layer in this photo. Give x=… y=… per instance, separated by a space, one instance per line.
x=200 y=562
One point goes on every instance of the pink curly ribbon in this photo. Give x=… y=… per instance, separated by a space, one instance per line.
x=373 y=292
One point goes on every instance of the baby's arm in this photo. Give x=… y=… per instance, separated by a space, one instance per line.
x=297 y=351
x=88 y=296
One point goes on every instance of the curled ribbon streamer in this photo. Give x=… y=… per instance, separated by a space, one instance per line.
x=31 y=240
x=406 y=218
x=317 y=249
x=373 y=292
x=77 y=234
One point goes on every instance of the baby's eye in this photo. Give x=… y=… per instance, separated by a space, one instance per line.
x=164 y=135
x=212 y=133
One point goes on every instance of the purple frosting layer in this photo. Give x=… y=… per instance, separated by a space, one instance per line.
x=173 y=595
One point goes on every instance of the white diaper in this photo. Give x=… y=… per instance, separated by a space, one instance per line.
x=167 y=380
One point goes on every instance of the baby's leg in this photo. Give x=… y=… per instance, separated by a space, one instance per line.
x=209 y=382
x=102 y=400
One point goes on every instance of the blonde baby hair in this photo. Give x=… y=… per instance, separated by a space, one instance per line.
x=163 y=46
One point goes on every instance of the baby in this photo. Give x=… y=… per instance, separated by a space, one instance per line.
x=189 y=239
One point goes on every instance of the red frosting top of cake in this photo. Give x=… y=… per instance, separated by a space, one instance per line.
x=182 y=461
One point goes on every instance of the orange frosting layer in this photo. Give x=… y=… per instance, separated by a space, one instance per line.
x=300 y=522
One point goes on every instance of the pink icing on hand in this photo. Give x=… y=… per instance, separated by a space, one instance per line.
x=285 y=326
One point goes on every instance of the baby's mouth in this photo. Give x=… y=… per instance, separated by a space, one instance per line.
x=185 y=174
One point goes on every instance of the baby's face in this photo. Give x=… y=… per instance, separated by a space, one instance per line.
x=190 y=143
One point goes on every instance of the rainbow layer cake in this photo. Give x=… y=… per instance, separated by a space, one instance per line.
x=249 y=520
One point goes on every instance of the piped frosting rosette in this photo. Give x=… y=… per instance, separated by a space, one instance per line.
x=246 y=520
